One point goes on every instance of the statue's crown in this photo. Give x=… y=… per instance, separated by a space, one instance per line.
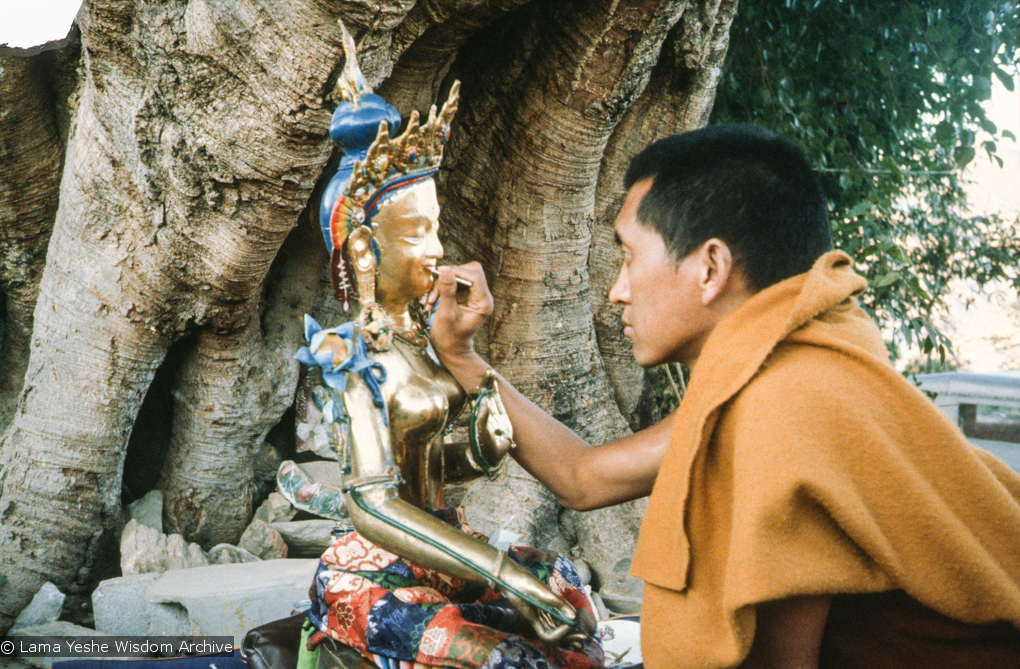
x=390 y=164
x=374 y=163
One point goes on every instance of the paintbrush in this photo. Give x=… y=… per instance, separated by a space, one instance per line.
x=463 y=282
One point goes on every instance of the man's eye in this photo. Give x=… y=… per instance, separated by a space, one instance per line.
x=413 y=240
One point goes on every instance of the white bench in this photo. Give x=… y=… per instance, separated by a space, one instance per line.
x=985 y=406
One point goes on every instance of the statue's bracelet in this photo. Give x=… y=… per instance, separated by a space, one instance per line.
x=477 y=458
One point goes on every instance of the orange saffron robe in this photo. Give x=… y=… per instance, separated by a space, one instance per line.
x=802 y=463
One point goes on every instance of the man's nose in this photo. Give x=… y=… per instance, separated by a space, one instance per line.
x=620 y=292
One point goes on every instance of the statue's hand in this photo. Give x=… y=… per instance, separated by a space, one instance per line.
x=543 y=624
x=491 y=431
x=458 y=315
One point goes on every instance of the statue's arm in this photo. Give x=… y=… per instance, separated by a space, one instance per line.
x=382 y=517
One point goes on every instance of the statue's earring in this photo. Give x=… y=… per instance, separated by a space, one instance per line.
x=359 y=245
x=373 y=321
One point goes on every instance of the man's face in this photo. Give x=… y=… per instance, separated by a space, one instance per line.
x=663 y=314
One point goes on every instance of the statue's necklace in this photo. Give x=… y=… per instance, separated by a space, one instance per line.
x=413 y=336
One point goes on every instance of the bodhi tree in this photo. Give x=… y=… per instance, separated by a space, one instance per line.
x=157 y=197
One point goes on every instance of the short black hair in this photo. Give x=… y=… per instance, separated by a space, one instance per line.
x=749 y=187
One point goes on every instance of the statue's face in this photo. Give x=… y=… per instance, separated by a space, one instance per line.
x=406 y=228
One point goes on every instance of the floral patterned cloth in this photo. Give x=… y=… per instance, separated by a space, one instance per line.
x=398 y=613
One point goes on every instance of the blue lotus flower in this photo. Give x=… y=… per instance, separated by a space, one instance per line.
x=333 y=370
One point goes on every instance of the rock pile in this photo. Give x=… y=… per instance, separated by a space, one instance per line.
x=144 y=549
x=171 y=587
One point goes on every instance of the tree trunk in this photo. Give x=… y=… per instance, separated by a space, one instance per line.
x=31 y=156
x=531 y=169
x=196 y=145
x=231 y=390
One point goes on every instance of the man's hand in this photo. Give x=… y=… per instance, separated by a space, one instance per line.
x=458 y=316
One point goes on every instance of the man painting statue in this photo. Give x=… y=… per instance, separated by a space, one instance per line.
x=809 y=506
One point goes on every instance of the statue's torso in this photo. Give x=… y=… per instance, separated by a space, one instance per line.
x=422 y=398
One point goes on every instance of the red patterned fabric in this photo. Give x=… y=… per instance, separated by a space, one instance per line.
x=397 y=612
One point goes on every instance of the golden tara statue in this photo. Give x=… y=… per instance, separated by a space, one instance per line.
x=386 y=403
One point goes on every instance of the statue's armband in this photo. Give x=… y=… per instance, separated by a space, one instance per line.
x=490 y=431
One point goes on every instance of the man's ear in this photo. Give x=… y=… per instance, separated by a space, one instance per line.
x=716 y=266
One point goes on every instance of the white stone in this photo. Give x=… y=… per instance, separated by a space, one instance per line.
x=44 y=608
x=263 y=541
x=144 y=550
x=58 y=628
x=230 y=554
x=120 y=607
x=148 y=510
x=276 y=509
x=220 y=600
x=182 y=555
x=306 y=538
x=231 y=599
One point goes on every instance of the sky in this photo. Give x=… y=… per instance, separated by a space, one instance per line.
x=995 y=190
x=28 y=23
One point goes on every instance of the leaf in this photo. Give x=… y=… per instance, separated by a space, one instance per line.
x=860 y=209
x=964 y=154
x=891 y=126
x=1004 y=78
x=886 y=280
x=944 y=131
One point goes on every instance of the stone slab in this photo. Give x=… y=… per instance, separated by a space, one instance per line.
x=230 y=599
x=45 y=633
x=121 y=607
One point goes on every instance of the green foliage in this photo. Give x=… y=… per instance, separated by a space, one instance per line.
x=914 y=366
x=669 y=385
x=886 y=99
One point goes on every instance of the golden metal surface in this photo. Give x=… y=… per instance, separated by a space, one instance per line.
x=397 y=470
x=395 y=459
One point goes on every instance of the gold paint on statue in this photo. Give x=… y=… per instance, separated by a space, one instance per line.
x=387 y=220
x=398 y=470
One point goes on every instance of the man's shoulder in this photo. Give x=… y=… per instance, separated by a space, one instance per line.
x=797 y=372
x=815 y=393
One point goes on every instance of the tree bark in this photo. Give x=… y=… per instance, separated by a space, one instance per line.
x=231 y=390
x=198 y=139
x=678 y=97
x=31 y=157
x=528 y=173
x=195 y=148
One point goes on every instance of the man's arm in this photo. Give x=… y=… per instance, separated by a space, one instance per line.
x=788 y=634
x=581 y=476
